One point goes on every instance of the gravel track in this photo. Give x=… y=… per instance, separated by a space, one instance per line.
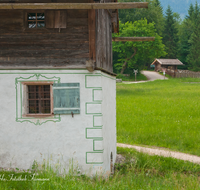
x=152 y=75
x=163 y=152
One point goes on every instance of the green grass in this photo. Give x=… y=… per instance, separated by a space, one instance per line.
x=160 y=113
x=140 y=171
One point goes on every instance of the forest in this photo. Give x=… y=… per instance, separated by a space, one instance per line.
x=175 y=38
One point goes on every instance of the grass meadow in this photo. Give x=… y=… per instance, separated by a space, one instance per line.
x=160 y=113
x=140 y=171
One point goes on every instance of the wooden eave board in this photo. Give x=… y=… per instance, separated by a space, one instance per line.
x=133 y=39
x=45 y=6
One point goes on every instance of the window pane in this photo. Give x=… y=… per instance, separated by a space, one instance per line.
x=40 y=16
x=31 y=16
x=31 y=88
x=46 y=95
x=31 y=95
x=36 y=95
x=31 y=103
x=41 y=24
x=45 y=106
x=33 y=106
x=37 y=88
x=31 y=24
x=46 y=87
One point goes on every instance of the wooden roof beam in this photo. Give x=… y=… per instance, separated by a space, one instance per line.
x=133 y=39
x=44 y=6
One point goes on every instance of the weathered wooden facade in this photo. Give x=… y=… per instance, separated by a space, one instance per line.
x=58 y=90
x=68 y=40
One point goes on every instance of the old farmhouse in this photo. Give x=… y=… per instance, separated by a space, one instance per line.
x=58 y=89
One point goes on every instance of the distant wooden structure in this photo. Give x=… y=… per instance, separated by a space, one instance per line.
x=167 y=63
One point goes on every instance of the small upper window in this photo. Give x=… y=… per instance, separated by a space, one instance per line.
x=36 y=20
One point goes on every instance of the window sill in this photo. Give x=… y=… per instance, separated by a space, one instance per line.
x=39 y=115
x=35 y=29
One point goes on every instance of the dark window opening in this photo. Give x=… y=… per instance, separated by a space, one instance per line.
x=39 y=100
x=36 y=20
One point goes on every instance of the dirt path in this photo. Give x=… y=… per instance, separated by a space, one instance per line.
x=152 y=75
x=163 y=152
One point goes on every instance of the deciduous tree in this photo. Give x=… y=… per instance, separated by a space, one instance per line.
x=136 y=54
x=154 y=13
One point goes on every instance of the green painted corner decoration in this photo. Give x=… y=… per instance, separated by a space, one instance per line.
x=19 y=98
x=39 y=121
x=95 y=151
x=66 y=98
x=99 y=155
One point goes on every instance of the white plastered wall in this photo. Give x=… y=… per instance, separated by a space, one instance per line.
x=85 y=139
x=109 y=120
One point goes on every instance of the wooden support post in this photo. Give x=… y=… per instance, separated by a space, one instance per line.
x=45 y=6
x=92 y=34
x=92 y=38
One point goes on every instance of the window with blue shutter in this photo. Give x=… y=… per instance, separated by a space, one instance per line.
x=66 y=98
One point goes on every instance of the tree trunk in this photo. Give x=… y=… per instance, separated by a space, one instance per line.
x=125 y=63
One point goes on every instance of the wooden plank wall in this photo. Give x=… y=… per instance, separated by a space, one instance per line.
x=53 y=47
x=104 y=39
x=92 y=34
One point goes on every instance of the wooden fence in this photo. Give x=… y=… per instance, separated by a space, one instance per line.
x=183 y=74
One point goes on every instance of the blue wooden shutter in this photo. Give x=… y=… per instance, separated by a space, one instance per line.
x=66 y=98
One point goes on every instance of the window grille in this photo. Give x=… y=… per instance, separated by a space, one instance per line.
x=36 y=20
x=39 y=100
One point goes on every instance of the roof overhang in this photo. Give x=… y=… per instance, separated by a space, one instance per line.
x=176 y=62
x=44 y=6
x=156 y=60
x=133 y=39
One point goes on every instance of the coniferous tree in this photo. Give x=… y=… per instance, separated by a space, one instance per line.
x=190 y=11
x=170 y=35
x=159 y=19
x=196 y=11
x=185 y=32
x=157 y=3
x=193 y=57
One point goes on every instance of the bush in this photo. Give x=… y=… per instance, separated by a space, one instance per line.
x=121 y=76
